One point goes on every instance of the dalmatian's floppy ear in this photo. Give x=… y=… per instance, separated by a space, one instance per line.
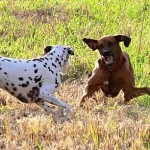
x=47 y=49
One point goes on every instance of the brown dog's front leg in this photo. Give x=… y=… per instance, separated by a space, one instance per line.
x=135 y=92
x=88 y=92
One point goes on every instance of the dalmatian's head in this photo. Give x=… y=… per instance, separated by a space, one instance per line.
x=62 y=52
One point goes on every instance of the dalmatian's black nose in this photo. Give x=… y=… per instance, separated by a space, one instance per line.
x=70 y=51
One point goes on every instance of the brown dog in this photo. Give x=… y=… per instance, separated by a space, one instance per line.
x=113 y=71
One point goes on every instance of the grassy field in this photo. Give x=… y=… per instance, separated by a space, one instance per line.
x=26 y=27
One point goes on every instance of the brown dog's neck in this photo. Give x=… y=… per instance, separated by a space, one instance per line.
x=110 y=72
x=112 y=69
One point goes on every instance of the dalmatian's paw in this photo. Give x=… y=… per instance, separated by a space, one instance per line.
x=67 y=109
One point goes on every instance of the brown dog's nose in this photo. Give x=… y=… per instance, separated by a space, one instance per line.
x=107 y=53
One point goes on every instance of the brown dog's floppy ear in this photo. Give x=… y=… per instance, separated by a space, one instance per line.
x=126 y=39
x=91 y=43
x=47 y=49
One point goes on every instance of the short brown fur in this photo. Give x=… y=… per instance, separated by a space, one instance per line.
x=115 y=77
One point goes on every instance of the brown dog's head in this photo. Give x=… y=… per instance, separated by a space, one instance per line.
x=108 y=47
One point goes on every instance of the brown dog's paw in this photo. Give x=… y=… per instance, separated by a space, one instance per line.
x=81 y=105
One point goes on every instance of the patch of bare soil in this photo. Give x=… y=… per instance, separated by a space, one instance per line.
x=51 y=15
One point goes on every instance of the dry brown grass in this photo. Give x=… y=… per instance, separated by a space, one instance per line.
x=98 y=126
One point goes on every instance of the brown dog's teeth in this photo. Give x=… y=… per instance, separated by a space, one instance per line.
x=109 y=60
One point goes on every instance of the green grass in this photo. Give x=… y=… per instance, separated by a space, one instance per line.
x=26 y=27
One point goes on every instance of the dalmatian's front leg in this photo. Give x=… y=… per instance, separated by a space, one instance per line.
x=48 y=97
x=44 y=106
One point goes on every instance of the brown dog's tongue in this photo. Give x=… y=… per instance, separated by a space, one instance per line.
x=109 y=60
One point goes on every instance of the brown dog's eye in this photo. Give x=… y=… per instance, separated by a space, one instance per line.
x=100 y=46
x=110 y=43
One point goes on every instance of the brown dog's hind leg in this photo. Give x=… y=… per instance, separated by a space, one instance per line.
x=135 y=92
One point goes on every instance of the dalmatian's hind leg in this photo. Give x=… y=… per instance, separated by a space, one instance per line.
x=44 y=105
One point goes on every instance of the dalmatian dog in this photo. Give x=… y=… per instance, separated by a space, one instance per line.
x=36 y=80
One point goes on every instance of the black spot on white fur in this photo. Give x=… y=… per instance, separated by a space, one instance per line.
x=37 y=79
x=50 y=70
x=54 y=65
x=46 y=58
x=45 y=65
x=56 y=60
x=56 y=83
x=31 y=76
x=20 y=78
x=40 y=84
x=59 y=63
x=14 y=89
x=35 y=71
x=33 y=94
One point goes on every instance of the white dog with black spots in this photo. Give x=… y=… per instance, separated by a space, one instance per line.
x=36 y=80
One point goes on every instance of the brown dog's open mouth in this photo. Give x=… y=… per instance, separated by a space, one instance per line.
x=109 y=60
x=108 y=57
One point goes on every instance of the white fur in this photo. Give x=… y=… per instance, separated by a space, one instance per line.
x=36 y=80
